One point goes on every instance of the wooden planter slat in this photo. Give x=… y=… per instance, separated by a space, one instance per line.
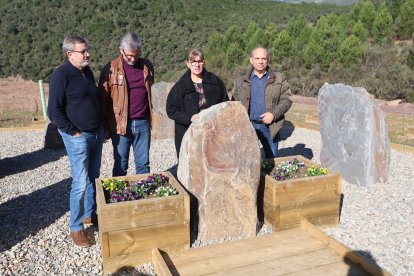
x=316 y=198
x=130 y=230
x=148 y=237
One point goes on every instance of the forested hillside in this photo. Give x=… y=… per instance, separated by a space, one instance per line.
x=367 y=44
x=32 y=31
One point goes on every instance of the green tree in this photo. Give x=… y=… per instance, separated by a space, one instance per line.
x=234 y=55
x=250 y=31
x=282 y=47
x=351 y=51
x=233 y=35
x=323 y=45
x=410 y=58
x=359 y=31
x=215 y=50
x=382 y=27
x=299 y=32
x=258 y=38
x=367 y=14
x=357 y=10
x=406 y=20
x=215 y=44
x=394 y=7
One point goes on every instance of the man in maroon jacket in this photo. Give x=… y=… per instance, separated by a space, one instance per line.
x=126 y=84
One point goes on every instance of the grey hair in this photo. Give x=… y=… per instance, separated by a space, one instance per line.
x=130 y=41
x=259 y=47
x=70 y=41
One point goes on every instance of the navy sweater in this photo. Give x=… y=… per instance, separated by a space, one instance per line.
x=74 y=101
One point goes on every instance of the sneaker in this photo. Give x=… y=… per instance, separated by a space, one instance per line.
x=80 y=238
x=90 y=221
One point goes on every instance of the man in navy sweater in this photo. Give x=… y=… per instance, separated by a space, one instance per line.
x=75 y=108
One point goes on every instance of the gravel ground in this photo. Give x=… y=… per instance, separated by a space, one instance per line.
x=377 y=222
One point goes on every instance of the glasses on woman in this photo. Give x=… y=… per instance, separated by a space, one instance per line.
x=195 y=62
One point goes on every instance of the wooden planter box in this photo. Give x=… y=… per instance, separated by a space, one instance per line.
x=130 y=230
x=315 y=198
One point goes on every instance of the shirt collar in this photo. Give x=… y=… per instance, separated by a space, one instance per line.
x=253 y=74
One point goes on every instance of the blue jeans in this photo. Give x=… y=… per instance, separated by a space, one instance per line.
x=85 y=154
x=270 y=145
x=138 y=135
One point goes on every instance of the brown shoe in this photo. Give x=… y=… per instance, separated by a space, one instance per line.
x=90 y=221
x=80 y=238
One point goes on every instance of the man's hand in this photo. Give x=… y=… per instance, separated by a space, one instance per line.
x=267 y=118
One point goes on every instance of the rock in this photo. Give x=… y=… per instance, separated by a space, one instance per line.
x=220 y=165
x=162 y=126
x=394 y=102
x=53 y=140
x=354 y=135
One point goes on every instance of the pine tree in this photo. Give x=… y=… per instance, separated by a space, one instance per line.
x=394 y=7
x=323 y=45
x=234 y=55
x=351 y=51
x=258 y=38
x=382 y=27
x=367 y=15
x=282 y=47
x=233 y=35
x=360 y=32
x=406 y=20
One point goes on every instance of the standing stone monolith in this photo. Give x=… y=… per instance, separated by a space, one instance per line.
x=219 y=164
x=162 y=126
x=53 y=140
x=354 y=134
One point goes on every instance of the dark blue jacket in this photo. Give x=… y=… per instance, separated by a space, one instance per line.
x=74 y=100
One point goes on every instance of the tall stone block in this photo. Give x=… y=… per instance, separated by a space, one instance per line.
x=162 y=126
x=220 y=165
x=354 y=134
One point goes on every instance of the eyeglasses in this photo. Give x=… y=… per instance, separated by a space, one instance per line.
x=129 y=57
x=83 y=52
x=195 y=62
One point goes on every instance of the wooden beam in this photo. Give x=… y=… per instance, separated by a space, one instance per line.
x=344 y=250
x=160 y=266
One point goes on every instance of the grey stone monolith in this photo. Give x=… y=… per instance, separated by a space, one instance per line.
x=53 y=140
x=162 y=127
x=219 y=164
x=354 y=135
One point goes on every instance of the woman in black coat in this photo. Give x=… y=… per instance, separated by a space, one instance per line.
x=197 y=89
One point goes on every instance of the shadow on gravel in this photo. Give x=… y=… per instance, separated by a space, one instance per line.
x=173 y=170
x=28 y=214
x=286 y=131
x=298 y=149
x=29 y=161
x=353 y=259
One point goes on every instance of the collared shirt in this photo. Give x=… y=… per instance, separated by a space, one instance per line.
x=257 y=96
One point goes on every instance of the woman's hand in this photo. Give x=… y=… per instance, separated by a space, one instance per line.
x=194 y=117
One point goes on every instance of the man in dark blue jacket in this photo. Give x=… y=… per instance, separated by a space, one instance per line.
x=75 y=107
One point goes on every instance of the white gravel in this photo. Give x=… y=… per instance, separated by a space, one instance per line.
x=34 y=207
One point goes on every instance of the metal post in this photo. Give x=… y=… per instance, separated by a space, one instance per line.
x=42 y=98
